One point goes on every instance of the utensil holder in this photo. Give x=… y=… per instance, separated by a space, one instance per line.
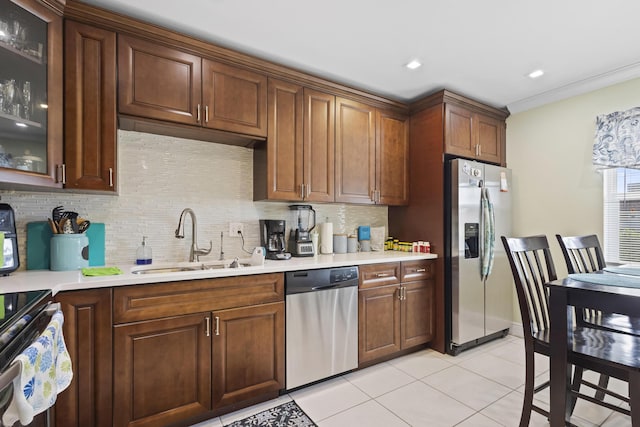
x=69 y=252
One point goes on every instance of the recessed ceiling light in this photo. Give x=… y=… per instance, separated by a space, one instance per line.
x=535 y=74
x=22 y=125
x=413 y=64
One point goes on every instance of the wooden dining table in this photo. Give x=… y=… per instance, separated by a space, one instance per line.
x=609 y=297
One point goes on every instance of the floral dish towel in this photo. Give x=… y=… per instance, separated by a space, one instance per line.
x=45 y=370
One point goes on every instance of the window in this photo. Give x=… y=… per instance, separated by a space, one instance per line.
x=622 y=215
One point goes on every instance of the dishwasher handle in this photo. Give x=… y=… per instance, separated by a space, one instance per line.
x=320 y=288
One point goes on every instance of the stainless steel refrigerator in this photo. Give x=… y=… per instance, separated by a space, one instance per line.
x=479 y=284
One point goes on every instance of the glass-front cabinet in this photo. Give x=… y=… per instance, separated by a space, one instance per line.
x=30 y=93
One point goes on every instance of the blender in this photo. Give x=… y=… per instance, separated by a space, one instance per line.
x=300 y=239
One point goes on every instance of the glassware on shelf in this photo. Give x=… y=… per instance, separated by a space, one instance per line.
x=4 y=31
x=26 y=100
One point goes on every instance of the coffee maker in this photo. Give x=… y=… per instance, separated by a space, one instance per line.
x=10 y=259
x=300 y=239
x=272 y=238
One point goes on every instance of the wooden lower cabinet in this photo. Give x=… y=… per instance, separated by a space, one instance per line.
x=248 y=353
x=87 y=332
x=396 y=316
x=417 y=313
x=190 y=350
x=162 y=370
x=379 y=323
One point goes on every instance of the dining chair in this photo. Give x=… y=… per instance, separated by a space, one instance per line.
x=583 y=254
x=532 y=266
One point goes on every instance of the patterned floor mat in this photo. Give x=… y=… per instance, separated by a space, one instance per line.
x=286 y=415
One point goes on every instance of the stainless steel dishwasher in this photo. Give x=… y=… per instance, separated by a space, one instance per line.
x=321 y=324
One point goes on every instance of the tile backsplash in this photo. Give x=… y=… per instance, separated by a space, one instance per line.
x=159 y=176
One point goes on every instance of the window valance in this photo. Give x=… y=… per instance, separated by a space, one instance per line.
x=617 y=139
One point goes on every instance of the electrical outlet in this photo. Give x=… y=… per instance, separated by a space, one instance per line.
x=235 y=228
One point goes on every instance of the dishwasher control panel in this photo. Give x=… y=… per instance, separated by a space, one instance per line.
x=343 y=274
x=320 y=279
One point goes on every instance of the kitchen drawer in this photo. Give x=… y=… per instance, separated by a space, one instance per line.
x=417 y=270
x=374 y=275
x=154 y=301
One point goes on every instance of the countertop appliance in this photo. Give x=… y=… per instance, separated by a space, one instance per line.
x=299 y=239
x=322 y=324
x=23 y=317
x=272 y=238
x=478 y=281
x=10 y=258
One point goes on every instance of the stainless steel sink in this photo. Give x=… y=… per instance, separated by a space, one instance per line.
x=217 y=265
x=160 y=270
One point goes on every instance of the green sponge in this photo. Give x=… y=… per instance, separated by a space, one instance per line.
x=101 y=271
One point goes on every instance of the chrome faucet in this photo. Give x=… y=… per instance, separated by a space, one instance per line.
x=195 y=252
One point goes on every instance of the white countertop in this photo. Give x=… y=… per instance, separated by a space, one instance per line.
x=59 y=281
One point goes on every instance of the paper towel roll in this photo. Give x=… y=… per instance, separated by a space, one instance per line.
x=326 y=238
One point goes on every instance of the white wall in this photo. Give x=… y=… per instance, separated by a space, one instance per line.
x=159 y=176
x=555 y=187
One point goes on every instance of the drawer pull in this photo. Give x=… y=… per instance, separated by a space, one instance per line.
x=421 y=270
x=207 y=326
x=382 y=274
x=217 y=331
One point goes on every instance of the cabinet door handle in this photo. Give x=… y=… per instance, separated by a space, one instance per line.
x=217 y=330
x=302 y=191
x=479 y=150
x=308 y=191
x=404 y=293
x=207 y=326
x=198 y=113
x=64 y=173
x=382 y=275
x=400 y=293
x=111 y=177
x=421 y=270
x=206 y=114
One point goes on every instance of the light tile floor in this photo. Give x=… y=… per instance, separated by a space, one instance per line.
x=481 y=387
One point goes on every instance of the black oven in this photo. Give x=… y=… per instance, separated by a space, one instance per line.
x=23 y=317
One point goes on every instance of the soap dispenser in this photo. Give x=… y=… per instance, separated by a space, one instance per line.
x=143 y=254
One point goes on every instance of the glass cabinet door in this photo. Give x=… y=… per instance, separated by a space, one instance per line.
x=25 y=94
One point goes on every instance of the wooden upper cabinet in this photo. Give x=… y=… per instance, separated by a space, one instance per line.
x=491 y=138
x=392 y=154
x=234 y=99
x=158 y=82
x=459 y=138
x=319 y=146
x=355 y=152
x=90 y=108
x=284 y=141
x=300 y=147
x=474 y=135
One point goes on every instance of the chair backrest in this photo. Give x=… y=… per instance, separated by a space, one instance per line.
x=532 y=267
x=582 y=254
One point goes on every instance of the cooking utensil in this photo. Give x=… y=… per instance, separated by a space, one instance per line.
x=56 y=214
x=53 y=225
x=66 y=226
x=82 y=227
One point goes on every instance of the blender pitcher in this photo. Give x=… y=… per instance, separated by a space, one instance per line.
x=300 y=243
